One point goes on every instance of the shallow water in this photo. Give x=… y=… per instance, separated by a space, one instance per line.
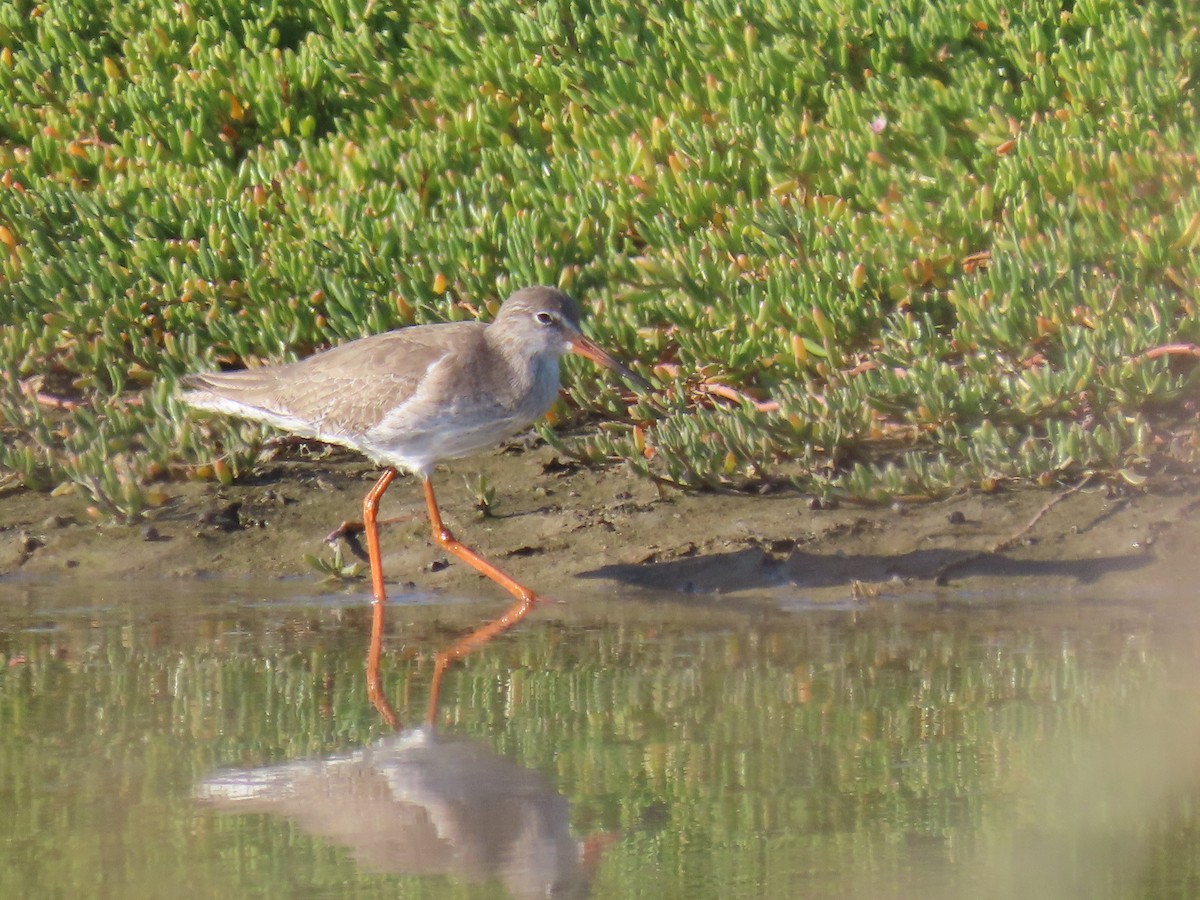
x=214 y=739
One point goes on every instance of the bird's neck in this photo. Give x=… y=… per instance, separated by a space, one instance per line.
x=531 y=380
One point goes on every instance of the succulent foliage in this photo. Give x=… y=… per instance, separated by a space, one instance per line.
x=873 y=249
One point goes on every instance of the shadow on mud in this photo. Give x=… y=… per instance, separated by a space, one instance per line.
x=757 y=568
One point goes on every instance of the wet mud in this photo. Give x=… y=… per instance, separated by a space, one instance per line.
x=558 y=527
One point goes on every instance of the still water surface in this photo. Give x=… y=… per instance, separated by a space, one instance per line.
x=215 y=739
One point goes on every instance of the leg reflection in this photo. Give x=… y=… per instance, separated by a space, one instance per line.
x=459 y=649
x=375 y=683
x=473 y=641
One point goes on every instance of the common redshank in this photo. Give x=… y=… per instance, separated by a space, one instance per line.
x=412 y=397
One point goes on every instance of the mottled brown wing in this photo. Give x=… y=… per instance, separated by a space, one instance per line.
x=338 y=394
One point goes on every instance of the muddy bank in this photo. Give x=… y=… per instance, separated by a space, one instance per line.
x=554 y=525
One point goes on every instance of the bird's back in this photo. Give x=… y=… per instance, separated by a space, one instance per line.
x=337 y=395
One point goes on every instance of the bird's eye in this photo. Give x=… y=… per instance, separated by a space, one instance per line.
x=544 y=318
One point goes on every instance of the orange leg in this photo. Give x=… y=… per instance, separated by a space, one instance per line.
x=480 y=636
x=378 y=596
x=349 y=530
x=447 y=540
x=444 y=538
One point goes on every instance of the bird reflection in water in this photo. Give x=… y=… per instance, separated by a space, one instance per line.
x=423 y=803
